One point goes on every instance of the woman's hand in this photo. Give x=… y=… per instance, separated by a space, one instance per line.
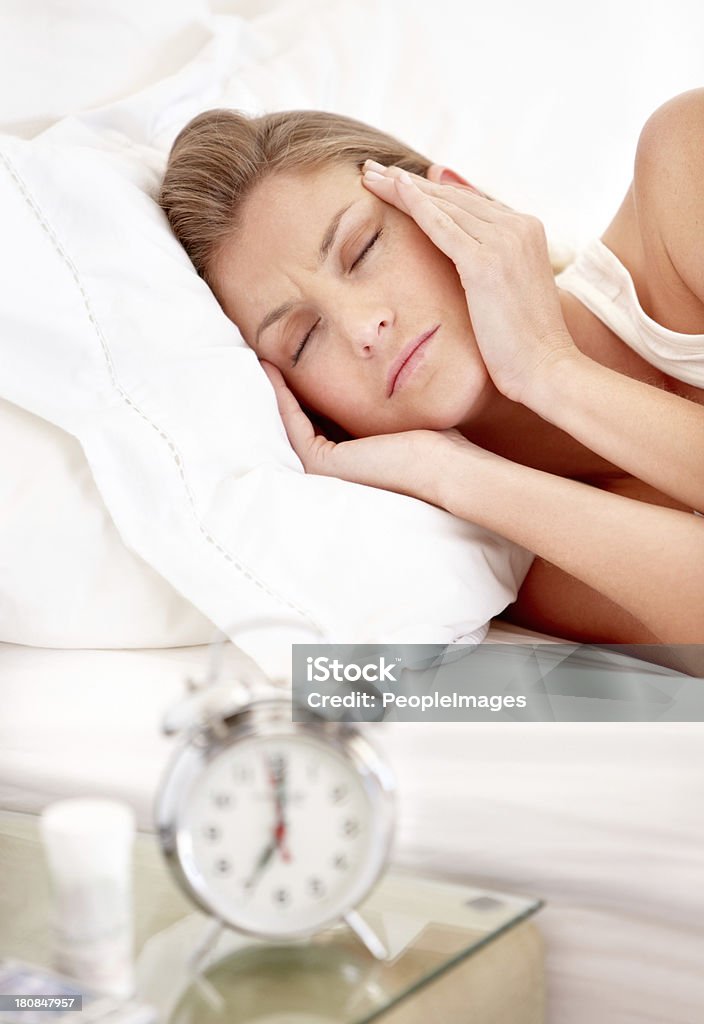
x=503 y=263
x=410 y=462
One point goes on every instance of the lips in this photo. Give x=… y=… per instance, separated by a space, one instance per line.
x=403 y=357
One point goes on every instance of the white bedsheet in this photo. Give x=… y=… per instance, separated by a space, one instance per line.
x=602 y=820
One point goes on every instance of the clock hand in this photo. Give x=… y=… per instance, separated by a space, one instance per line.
x=277 y=780
x=262 y=861
x=282 y=824
x=280 y=839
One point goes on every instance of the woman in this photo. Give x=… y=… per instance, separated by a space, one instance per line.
x=396 y=300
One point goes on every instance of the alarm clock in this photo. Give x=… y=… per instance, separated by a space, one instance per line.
x=276 y=828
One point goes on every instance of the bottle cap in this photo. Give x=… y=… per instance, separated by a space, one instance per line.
x=87 y=834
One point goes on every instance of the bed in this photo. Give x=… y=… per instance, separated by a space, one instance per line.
x=601 y=820
x=111 y=582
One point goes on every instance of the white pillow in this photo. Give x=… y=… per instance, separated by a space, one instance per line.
x=66 y=578
x=106 y=331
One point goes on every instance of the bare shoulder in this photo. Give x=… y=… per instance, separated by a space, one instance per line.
x=668 y=191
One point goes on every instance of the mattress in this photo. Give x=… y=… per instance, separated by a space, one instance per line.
x=601 y=820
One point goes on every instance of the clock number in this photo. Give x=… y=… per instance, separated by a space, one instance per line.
x=222 y=800
x=316 y=887
x=223 y=866
x=243 y=774
x=211 y=832
x=350 y=827
x=338 y=794
x=340 y=862
x=282 y=897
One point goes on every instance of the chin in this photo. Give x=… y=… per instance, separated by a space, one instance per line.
x=464 y=402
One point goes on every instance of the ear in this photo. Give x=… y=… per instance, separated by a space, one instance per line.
x=446 y=176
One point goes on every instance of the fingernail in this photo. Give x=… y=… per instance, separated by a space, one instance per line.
x=405 y=177
x=374 y=176
x=374 y=166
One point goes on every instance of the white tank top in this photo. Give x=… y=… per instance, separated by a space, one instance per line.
x=601 y=282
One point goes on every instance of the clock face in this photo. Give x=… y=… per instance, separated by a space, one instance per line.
x=280 y=835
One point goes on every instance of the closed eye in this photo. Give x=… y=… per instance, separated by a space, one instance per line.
x=370 y=244
x=366 y=249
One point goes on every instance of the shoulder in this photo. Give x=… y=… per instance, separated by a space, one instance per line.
x=668 y=187
x=679 y=123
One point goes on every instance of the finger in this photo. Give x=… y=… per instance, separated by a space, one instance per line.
x=386 y=188
x=299 y=428
x=466 y=196
x=476 y=228
x=433 y=217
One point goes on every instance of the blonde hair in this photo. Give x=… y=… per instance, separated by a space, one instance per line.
x=220 y=155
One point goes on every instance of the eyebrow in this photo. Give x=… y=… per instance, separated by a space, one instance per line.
x=323 y=253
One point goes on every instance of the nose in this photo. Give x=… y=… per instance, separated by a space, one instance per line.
x=365 y=328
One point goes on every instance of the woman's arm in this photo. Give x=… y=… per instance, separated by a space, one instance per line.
x=656 y=436
x=502 y=260
x=648 y=559
x=551 y=601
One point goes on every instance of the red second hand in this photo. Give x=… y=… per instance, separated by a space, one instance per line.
x=280 y=827
x=280 y=836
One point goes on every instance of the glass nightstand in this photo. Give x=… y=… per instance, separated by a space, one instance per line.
x=458 y=953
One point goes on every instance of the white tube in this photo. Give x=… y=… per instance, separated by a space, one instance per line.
x=88 y=846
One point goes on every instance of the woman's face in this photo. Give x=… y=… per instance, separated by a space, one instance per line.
x=335 y=287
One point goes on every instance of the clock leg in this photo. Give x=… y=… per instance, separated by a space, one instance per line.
x=366 y=935
x=197 y=959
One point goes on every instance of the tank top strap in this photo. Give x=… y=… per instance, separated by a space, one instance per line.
x=603 y=284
